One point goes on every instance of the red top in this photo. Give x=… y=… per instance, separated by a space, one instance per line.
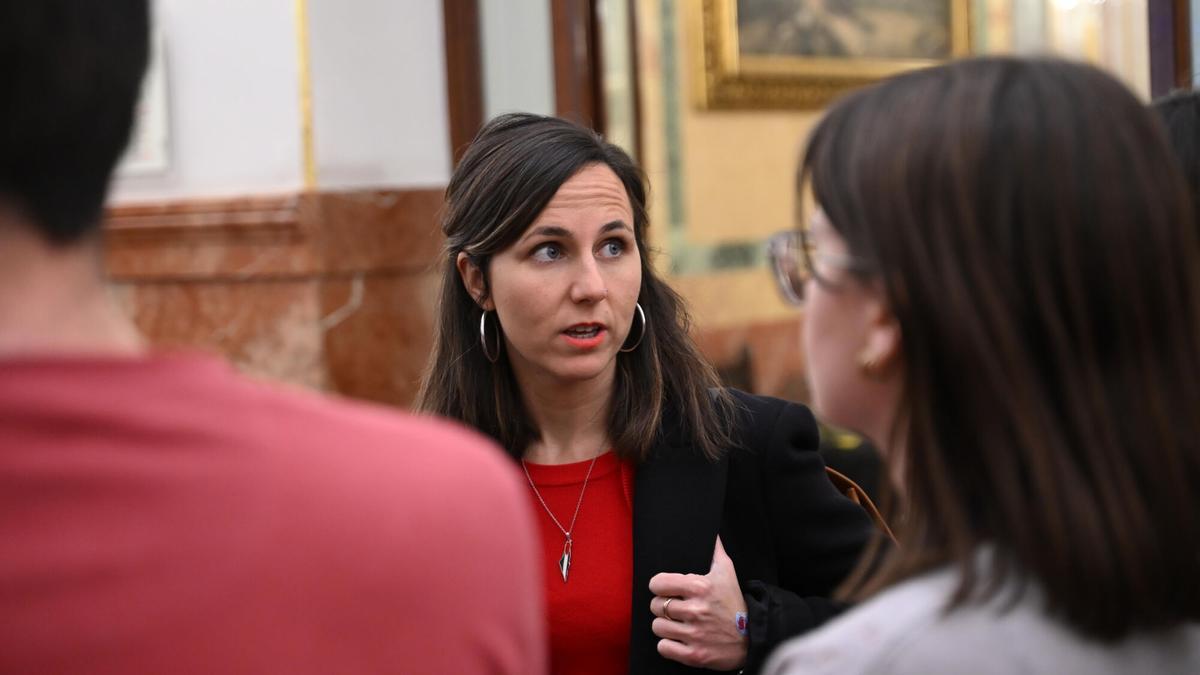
x=589 y=614
x=165 y=515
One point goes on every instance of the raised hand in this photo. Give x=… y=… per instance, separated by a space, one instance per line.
x=699 y=625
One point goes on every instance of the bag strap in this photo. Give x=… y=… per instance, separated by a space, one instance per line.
x=854 y=493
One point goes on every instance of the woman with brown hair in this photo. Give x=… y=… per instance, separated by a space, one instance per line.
x=684 y=525
x=1001 y=285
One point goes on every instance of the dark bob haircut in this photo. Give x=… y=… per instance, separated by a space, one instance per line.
x=510 y=172
x=72 y=71
x=1033 y=237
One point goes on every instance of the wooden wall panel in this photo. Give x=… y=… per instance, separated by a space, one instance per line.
x=578 y=70
x=336 y=291
x=1170 y=46
x=464 y=72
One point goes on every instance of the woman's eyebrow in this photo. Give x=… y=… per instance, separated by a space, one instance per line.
x=549 y=231
x=614 y=225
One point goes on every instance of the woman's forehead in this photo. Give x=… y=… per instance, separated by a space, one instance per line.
x=594 y=186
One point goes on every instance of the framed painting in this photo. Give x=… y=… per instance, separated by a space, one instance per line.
x=802 y=53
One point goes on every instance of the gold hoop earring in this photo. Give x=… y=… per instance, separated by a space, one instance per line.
x=642 y=335
x=483 y=338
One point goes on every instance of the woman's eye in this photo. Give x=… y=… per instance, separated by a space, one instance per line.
x=547 y=253
x=612 y=248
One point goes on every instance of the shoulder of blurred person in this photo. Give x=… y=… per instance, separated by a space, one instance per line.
x=247 y=528
x=907 y=630
x=1180 y=114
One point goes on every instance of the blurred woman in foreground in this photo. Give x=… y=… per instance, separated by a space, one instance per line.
x=1002 y=290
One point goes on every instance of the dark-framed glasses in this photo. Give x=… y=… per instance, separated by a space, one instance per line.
x=794 y=260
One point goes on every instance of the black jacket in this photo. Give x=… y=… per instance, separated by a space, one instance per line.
x=792 y=537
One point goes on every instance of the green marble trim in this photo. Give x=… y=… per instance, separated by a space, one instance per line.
x=979 y=24
x=676 y=218
x=692 y=258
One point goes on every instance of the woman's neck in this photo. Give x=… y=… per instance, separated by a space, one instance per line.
x=572 y=418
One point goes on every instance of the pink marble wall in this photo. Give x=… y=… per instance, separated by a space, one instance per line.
x=336 y=291
x=328 y=290
x=764 y=358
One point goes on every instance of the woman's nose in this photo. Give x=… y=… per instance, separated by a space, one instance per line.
x=588 y=284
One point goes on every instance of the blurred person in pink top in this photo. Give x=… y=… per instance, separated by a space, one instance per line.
x=161 y=514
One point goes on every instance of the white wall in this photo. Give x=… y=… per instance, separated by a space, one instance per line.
x=233 y=91
x=518 y=57
x=379 y=93
x=233 y=79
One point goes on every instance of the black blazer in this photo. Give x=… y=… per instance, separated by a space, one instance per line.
x=792 y=537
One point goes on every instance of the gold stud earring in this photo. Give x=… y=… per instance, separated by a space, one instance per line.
x=867 y=364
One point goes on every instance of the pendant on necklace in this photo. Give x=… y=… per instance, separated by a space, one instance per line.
x=564 y=563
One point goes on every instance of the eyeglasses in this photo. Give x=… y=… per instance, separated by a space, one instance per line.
x=793 y=257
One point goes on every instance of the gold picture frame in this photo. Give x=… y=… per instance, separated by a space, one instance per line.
x=724 y=77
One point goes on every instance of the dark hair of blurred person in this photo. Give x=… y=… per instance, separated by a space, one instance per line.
x=161 y=514
x=557 y=337
x=1180 y=112
x=1002 y=289
x=67 y=109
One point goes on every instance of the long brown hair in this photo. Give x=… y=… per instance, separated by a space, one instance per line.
x=1034 y=239
x=510 y=172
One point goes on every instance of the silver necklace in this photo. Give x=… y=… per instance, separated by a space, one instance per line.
x=564 y=563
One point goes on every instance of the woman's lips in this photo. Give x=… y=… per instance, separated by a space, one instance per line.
x=585 y=335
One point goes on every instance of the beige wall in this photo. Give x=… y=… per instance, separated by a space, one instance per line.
x=736 y=175
x=736 y=168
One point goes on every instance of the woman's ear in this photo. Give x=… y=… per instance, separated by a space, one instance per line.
x=881 y=352
x=472 y=278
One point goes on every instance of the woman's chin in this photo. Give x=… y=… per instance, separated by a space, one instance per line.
x=584 y=368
